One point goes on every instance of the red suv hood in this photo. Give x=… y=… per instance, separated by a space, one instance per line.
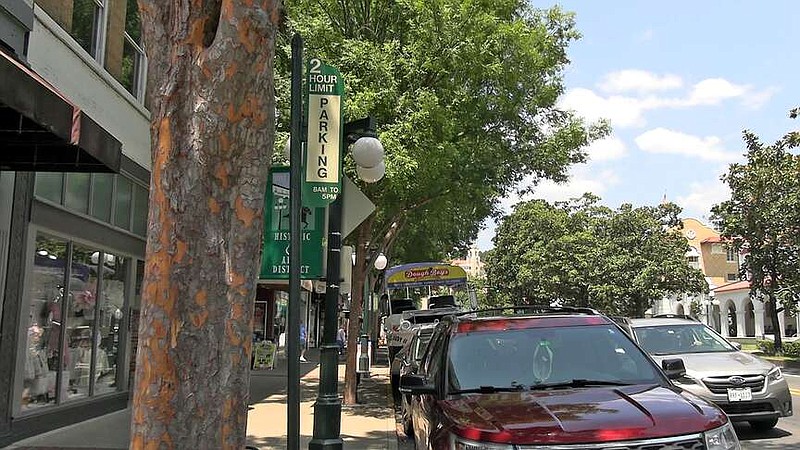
x=579 y=415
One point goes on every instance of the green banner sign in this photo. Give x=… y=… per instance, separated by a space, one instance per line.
x=324 y=152
x=275 y=253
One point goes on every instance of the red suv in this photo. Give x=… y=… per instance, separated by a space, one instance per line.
x=552 y=378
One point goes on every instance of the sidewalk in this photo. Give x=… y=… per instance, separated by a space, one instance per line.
x=369 y=425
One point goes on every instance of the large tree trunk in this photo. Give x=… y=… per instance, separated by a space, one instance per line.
x=356 y=310
x=212 y=103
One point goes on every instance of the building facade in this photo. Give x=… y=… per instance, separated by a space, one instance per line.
x=73 y=209
x=728 y=307
x=472 y=264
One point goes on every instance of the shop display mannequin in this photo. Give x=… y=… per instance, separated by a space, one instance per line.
x=35 y=381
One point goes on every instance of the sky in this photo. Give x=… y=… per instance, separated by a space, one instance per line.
x=678 y=81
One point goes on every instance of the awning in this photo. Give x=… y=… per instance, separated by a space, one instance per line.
x=41 y=130
x=425 y=274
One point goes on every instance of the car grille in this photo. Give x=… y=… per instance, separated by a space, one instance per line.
x=691 y=442
x=746 y=408
x=720 y=385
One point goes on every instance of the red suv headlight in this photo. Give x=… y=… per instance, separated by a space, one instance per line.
x=460 y=443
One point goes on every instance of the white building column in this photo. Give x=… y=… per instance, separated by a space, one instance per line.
x=758 y=313
x=782 y=321
x=740 y=325
x=723 y=322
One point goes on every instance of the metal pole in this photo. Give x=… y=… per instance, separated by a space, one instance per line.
x=295 y=205
x=328 y=407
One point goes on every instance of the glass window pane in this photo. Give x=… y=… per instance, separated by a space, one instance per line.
x=135 y=306
x=133 y=26
x=49 y=186
x=77 y=197
x=85 y=15
x=112 y=305
x=44 y=324
x=102 y=187
x=140 y=211
x=80 y=320
x=130 y=67
x=122 y=211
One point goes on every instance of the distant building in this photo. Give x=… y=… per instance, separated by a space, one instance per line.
x=728 y=301
x=472 y=264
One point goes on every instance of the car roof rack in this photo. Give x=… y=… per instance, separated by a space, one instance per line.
x=675 y=316
x=532 y=310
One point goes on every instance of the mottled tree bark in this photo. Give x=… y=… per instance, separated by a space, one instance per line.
x=210 y=84
x=356 y=310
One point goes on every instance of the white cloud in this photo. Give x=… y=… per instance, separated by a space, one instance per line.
x=647 y=35
x=701 y=197
x=627 y=111
x=713 y=91
x=755 y=100
x=619 y=111
x=581 y=180
x=606 y=149
x=666 y=141
x=641 y=81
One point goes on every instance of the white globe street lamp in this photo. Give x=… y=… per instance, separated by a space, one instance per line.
x=380 y=262
x=371 y=174
x=367 y=151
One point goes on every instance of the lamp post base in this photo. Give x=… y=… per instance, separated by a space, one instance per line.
x=328 y=407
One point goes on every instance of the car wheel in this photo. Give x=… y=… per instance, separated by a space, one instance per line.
x=764 y=425
x=408 y=426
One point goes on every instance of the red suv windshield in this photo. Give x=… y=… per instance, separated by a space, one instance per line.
x=540 y=357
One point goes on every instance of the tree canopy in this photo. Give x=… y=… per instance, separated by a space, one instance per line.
x=580 y=253
x=464 y=94
x=762 y=219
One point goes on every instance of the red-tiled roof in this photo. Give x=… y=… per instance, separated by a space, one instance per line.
x=739 y=285
x=713 y=240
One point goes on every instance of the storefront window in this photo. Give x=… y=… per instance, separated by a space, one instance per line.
x=133 y=322
x=44 y=326
x=80 y=323
x=112 y=304
x=140 y=210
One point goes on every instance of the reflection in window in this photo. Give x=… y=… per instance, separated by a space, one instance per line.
x=102 y=189
x=49 y=186
x=140 y=211
x=80 y=322
x=44 y=326
x=122 y=209
x=132 y=53
x=112 y=303
x=86 y=21
x=135 y=306
x=77 y=198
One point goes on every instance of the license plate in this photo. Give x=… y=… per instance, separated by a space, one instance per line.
x=740 y=395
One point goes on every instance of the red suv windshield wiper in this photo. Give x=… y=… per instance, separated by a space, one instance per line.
x=491 y=389
x=578 y=382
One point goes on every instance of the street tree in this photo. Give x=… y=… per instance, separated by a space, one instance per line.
x=464 y=94
x=579 y=253
x=211 y=97
x=762 y=221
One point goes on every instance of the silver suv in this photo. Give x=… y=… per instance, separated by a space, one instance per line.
x=747 y=388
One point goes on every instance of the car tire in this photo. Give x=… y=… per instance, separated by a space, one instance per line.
x=763 y=425
x=405 y=414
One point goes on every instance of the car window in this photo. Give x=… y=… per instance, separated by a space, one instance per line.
x=536 y=356
x=675 y=339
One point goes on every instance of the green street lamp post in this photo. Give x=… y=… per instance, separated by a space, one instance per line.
x=367 y=152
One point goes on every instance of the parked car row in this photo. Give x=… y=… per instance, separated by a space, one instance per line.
x=572 y=378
